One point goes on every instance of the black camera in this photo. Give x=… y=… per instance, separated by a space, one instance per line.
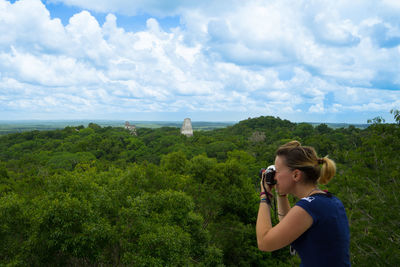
x=268 y=175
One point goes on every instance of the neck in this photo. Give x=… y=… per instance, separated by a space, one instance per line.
x=305 y=190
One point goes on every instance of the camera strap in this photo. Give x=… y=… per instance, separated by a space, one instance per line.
x=292 y=250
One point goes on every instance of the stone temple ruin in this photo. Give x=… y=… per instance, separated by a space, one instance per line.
x=187 y=127
x=131 y=128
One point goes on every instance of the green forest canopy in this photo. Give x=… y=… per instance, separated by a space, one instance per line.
x=101 y=196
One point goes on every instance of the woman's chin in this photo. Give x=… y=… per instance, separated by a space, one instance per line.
x=280 y=192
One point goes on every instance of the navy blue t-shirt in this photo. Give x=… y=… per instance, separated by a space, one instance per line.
x=326 y=242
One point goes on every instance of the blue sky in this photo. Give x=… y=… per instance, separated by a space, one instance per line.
x=314 y=61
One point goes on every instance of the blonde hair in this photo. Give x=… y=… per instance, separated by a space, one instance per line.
x=305 y=159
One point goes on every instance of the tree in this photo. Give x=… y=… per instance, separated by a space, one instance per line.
x=175 y=162
x=396 y=114
x=14 y=229
x=163 y=230
x=305 y=129
x=94 y=126
x=323 y=129
x=101 y=197
x=220 y=149
x=376 y=120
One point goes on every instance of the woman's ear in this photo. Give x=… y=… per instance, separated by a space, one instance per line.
x=296 y=175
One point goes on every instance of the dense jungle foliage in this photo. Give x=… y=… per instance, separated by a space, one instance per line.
x=99 y=196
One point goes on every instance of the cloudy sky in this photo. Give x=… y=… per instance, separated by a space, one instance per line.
x=303 y=60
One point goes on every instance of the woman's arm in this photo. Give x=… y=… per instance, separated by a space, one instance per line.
x=263 y=224
x=283 y=206
x=290 y=227
x=294 y=224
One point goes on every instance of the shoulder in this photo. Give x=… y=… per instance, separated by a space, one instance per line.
x=310 y=201
x=316 y=199
x=314 y=205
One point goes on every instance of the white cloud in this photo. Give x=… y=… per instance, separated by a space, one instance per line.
x=30 y=30
x=255 y=57
x=47 y=70
x=318 y=108
x=392 y=3
x=341 y=33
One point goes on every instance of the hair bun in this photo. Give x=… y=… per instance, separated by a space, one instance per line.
x=293 y=143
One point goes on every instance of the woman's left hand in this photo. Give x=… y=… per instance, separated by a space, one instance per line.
x=266 y=186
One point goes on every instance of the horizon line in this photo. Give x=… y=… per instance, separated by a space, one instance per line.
x=162 y=121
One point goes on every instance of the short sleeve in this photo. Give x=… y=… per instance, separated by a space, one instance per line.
x=309 y=204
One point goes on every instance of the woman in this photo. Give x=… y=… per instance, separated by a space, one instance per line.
x=316 y=226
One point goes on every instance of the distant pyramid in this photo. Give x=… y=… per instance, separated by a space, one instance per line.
x=187 y=127
x=131 y=128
